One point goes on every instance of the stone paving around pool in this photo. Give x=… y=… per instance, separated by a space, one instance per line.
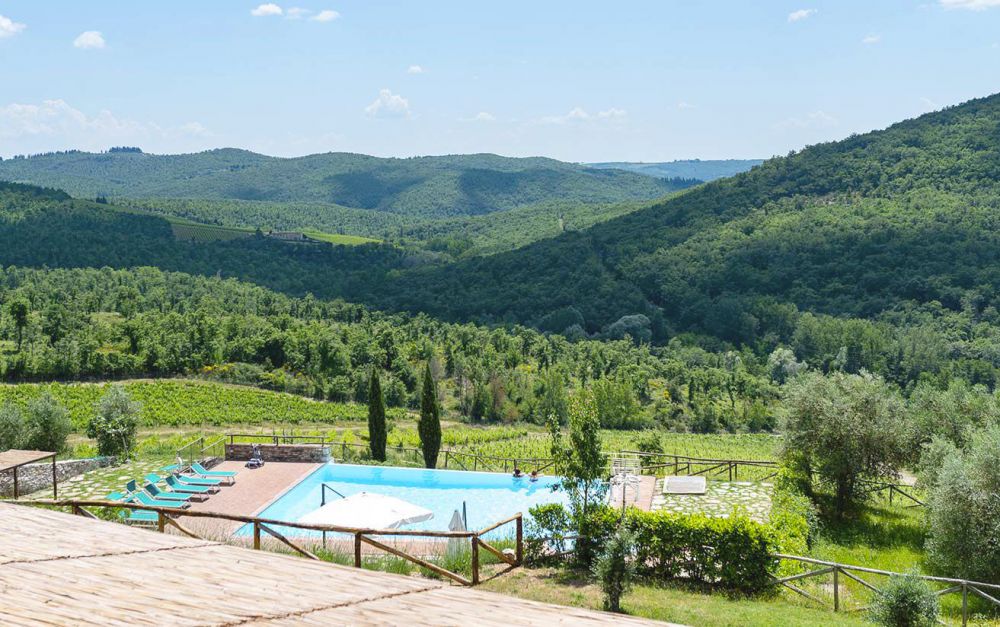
x=96 y=484
x=719 y=500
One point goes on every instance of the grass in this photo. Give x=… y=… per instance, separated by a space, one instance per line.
x=340 y=239
x=673 y=603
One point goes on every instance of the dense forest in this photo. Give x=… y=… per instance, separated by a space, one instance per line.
x=418 y=187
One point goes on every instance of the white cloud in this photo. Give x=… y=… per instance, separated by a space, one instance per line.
x=484 y=116
x=415 y=69
x=684 y=105
x=388 y=105
x=297 y=13
x=801 y=14
x=265 y=10
x=971 y=5
x=9 y=28
x=871 y=39
x=580 y=115
x=816 y=119
x=325 y=15
x=56 y=125
x=89 y=40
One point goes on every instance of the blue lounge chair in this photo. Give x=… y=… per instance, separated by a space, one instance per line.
x=203 y=481
x=177 y=486
x=157 y=493
x=145 y=499
x=200 y=470
x=141 y=517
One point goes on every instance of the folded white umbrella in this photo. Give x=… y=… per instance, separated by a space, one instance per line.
x=367 y=510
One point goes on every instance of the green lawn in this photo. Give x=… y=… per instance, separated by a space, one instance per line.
x=667 y=603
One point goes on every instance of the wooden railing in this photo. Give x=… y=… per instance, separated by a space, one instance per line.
x=167 y=517
x=276 y=439
x=854 y=574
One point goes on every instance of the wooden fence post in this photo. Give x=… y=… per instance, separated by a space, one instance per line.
x=965 y=604
x=357 y=550
x=446 y=453
x=836 y=589
x=519 y=551
x=256 y=535
x=475 y=560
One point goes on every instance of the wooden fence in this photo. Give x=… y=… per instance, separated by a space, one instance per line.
x=843 y=574
x=167 y=518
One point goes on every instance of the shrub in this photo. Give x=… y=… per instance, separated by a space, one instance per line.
x=546 y=533
x=615 y=568
x=733 y=552
x=115 y=423
x=794 y=518
x=905 y=601
x=48 y=424
x=12 y=427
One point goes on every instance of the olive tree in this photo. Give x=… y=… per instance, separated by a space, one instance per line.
x=846 y=429
x=963 y=508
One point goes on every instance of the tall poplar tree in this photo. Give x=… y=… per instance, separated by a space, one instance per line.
x=429 y=426
x=376 y=418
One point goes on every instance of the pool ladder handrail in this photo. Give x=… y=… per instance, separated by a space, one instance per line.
x=323 y=488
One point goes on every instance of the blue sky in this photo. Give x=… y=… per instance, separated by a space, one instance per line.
x=578 y=81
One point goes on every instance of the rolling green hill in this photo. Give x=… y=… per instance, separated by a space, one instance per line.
x=426 y=187
x=898 y=224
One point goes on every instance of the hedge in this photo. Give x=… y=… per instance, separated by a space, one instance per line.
x=733 y=553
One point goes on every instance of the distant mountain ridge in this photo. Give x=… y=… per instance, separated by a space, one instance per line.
x=702 y=170
x=425 y=187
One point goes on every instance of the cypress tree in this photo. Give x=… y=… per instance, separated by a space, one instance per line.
x=376 y=418
x=429 y=426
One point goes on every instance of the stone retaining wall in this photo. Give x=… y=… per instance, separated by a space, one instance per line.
x=309 y=453
x=35 y=477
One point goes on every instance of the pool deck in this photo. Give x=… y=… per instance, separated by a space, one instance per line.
x=58 y=569
x=253 y=491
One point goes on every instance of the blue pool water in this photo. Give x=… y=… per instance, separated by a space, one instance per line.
x=489 y=497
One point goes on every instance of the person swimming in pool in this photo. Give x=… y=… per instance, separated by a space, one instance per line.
x=534 y=475
x=517 y=473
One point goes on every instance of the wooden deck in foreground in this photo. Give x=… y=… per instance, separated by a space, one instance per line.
x=56 y=568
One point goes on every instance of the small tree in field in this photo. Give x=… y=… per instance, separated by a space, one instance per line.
x=115 y=423
x=614 y=568
x=377 y=432
x=429 y=426
x=18 y=310
x=12 y=427
x=964 y=507
x=48 y=424
x=582 y=466
x=847 y=428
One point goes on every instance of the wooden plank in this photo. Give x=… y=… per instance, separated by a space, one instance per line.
x=495 y=551
x=416 y=560
x=288 y=542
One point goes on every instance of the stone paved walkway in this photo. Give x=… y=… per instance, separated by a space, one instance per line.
x=96 y=484
x=719 y=500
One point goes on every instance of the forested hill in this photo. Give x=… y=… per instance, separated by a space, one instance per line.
x=702 y=170
x=896 y=229
x=888 y=219
x=426 y=187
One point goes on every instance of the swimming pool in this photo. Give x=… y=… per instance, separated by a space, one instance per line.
x=488 y=497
